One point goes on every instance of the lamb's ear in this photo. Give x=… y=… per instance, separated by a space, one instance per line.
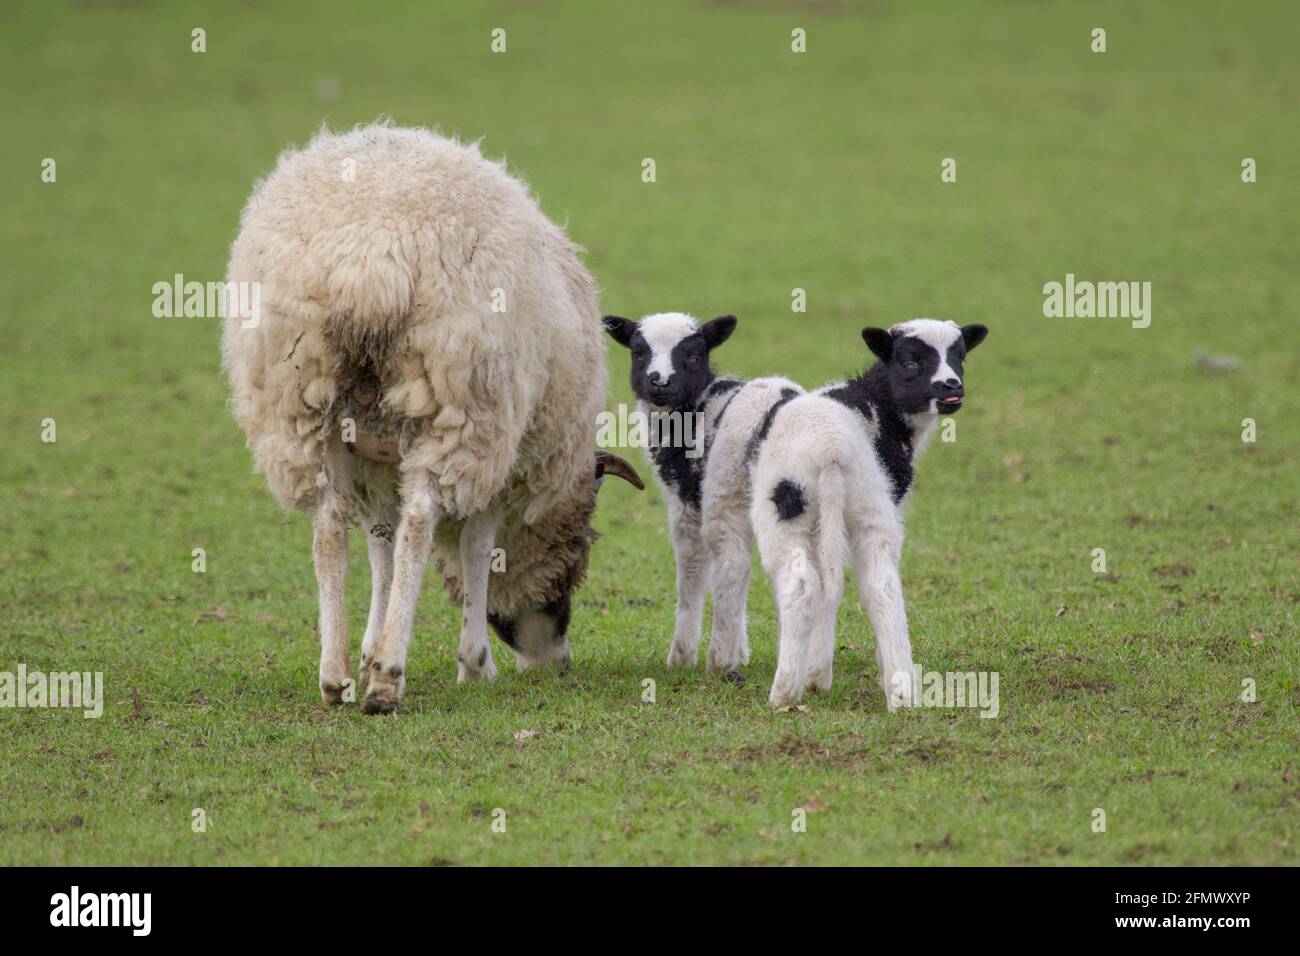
x=716 y=331
x=973 y=335
x=880 y=342
x=620 y=329
x=607 y=463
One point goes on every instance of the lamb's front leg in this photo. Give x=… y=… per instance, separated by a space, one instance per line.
x=474 y=658
x=329 y=551
x=692 y=585
x=876 y=553
x=380 y=543
x=387 y=668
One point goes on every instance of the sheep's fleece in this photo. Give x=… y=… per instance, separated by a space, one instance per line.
x=381 y=253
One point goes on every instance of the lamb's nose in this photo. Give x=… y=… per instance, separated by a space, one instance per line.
x=953 y=383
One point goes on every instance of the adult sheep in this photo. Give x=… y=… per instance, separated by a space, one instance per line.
x=426 y=363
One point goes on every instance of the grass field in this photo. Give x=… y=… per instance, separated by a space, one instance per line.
x=775 y=170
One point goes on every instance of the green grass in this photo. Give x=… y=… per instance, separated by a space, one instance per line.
x=775 y=171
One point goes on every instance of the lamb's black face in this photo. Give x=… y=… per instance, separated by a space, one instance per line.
x=923 y=359
x=670 y=355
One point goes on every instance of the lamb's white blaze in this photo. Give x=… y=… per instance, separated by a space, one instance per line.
x=662 y=332
x=940 y=336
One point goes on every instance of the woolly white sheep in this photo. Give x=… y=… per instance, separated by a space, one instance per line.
x=427 y=363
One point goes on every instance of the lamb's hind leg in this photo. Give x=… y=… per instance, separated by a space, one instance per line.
x=799 y=595
x=329 y=552
x=474 y=658
x=414 y=538
x=380 y=541
x=821 y=650
x=877 y=548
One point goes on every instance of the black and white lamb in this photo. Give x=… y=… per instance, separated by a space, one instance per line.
x=706 y=479
x=833 y=473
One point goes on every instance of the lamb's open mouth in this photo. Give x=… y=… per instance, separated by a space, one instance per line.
x=951 y=403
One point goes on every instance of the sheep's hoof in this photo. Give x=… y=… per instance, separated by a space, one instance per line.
x=734 y=677
x=338 y=692
x=377 y=704
x=336 y=686
x=470 y=675
x=383 y=687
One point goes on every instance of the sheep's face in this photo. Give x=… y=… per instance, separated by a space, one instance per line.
x=540 y=635
x=923 y=361
x=670 y=355
x=539 y=632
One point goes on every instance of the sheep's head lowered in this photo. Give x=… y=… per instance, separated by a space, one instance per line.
x=537 y=622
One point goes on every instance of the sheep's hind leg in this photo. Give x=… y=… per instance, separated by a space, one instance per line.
x=330 y=556
x=387 y=668
x=474 y=658
x=380 y=541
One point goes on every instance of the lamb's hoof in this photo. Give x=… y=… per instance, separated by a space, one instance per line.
x=722 y=668
x=900 y=691
x=818 y=682
x=784 y=698
x=680 y=657
x=734 y=677
x=894 y=702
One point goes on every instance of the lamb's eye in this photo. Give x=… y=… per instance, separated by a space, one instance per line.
x=911 y=364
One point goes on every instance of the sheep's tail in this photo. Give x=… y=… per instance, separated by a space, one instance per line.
x=830 y=529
